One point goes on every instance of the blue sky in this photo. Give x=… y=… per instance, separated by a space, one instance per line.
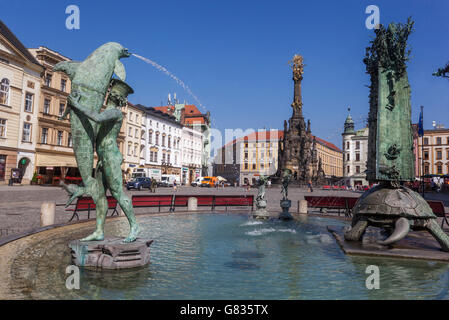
x=233 y=54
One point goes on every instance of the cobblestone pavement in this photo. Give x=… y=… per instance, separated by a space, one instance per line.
x=20 y=205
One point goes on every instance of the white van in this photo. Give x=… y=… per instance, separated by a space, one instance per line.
x=168 y=180
x=197 y=182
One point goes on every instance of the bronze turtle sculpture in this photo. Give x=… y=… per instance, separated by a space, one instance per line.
x=395 y=209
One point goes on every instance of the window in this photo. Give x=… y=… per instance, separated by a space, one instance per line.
x=48 y=79
x=61 y=109
x=46 y=106
x=357 y=169
x=447 y=142
x=4 y=91
x=130 y=116
x=447 y=152
x=254 y=166
x=357 y=157
x=135 y=150
x=246 y=145
x=136 y=133
x=438 y=140
x=426 y=168
x=129 y=148
x=439 y=155
x=26 y=136
x=155 y=156
x=246 y=155
x=150 y=137
x=347 y=145
x=28 y=102
x=44 y=136
x=347 y=157
x=157 y=138
x=357 y=145
x=246 y=166
x=169 y=142
x=163 y=141
x=163 y=157
x=426 y=154
x=63 y=84
x=130 y=132
x=137 y=118
x=70 y=140
x=348 y=169
x=168 y=158
x=59 y=138
x=426 y=141
x=2 y=128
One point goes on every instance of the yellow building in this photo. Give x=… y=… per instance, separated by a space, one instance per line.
x=19 y=93
x=436 y=151
x=331 y=158
x=54 y=153
x=134 y=126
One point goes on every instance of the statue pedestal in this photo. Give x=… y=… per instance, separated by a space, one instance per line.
x=111 y=253
x=261 y=210
x=285 y=205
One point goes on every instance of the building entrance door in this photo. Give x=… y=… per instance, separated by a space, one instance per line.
x=2 y=167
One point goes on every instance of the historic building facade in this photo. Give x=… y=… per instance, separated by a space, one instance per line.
x=161 y=151
x=434 y=147
x=189 y=116
x=54 y=153
x=297 y=150
x=20 y=76
x=192 y=155
x=134 y=145
x=355 y=154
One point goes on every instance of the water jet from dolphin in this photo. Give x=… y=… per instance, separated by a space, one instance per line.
x=171 y=75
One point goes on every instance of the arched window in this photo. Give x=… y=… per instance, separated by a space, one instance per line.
x=4 y=91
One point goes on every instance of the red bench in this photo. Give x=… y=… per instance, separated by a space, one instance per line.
x=328 y=202
x=148 y=201
x=173 y=201
x=88 y=204
x=234 y=201
x=438 y=209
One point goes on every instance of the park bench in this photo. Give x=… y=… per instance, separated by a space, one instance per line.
x=174 y=201
x=234 y=201
x=87 y=204
x=152 y=201
x=438 y=209
x=328 y=202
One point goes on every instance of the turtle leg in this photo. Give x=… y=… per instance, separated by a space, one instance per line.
x=439 y=235
x=357 y=231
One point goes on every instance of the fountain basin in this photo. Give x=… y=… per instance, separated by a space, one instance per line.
x=216 y=256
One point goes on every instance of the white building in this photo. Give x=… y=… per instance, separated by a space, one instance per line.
x=192 y=152
x=162 y=149
x=355 y=154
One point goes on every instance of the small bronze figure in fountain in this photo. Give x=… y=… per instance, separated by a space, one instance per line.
x=261 y=201
x=285 y=202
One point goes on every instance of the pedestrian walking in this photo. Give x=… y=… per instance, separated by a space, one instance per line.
x=174 y=185
x=310 y=186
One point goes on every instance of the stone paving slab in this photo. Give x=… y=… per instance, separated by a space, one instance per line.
x=417 y=245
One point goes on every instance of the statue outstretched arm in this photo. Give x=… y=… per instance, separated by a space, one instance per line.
x=105 y=116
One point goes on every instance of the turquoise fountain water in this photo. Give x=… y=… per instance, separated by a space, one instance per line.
x=220 y=256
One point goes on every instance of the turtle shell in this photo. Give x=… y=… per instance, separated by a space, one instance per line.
x=384 y=202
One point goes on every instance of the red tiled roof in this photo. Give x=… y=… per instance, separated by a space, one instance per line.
x=191 y=109
x=195 y=120
x=327 y=144
x=165 y=109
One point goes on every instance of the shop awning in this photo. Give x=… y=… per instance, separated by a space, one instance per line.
x=55 y=160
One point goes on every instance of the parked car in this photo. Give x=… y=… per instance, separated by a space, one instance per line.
x=168 y=180
x=139 y=183
x=197 y=182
